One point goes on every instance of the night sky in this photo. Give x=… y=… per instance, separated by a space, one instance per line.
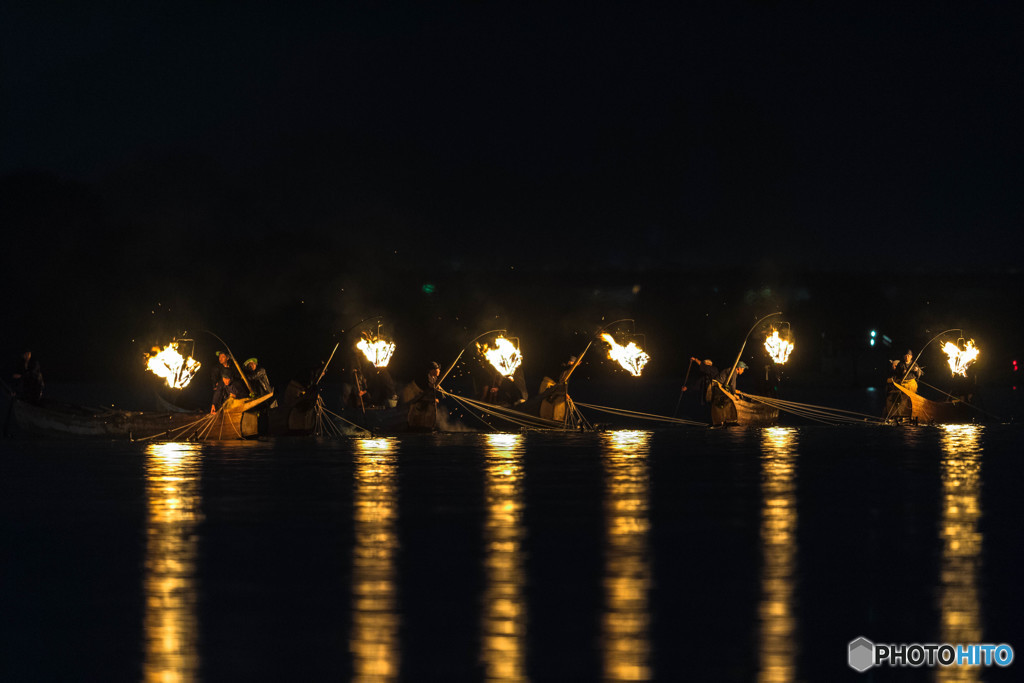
x=274 y=173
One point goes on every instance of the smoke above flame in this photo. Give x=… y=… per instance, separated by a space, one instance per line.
x=505 y=357
x=172 y=366
x=377 y=351
x=959 y=358
x=631 y=357
x=777 y=347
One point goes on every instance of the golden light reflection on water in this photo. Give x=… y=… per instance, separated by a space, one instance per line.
x=961 y=544
x=627 y=582
x=777 y=620
x=503 y=640
x=170 y=623
x=375 y=617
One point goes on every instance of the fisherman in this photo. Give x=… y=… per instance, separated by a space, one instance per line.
x=28 y=379
x=906 y=368
x=257 y=378
x=229 y=387
x=905 y=372
x=706 y=371
x=223 y=365
x=730 y=382
x=423 y=408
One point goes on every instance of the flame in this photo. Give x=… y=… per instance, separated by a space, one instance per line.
x=959 y=358
x=631 y=357
x=778 y=348
x=505 y=357
x=172 y=366
x=377 y=351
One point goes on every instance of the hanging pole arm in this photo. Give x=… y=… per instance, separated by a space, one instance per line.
x=452 y=366
x=744 y=345
x=343 y=331
x=596 y=335
x=923 y=348
x=235 y=361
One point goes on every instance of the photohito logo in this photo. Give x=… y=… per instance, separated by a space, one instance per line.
x=862 y=654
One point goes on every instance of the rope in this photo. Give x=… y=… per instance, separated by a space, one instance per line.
x=958 y=400
x=458 y=400
x=180 y=428
x=508 y=414
x=642 y=416
x=320 y=405
x=816 y=413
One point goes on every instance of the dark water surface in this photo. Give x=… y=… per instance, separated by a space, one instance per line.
x=672 y=555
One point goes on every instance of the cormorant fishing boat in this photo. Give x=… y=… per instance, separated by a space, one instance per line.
x=728 y=408
x=932 y=412
x=66 y=420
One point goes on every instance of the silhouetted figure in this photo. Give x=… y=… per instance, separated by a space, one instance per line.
x=28 y=379
x=423 y=409
x=706 y=371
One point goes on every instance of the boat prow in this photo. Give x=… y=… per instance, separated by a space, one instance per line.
x=728 y=408
x=934 y=412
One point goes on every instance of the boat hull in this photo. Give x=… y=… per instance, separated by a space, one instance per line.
x=65 y=420
x=730 y=409
x=933 y=412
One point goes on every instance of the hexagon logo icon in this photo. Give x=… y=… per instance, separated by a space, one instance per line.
x=861 y=654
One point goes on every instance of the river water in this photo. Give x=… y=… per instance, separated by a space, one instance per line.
x=678 y=554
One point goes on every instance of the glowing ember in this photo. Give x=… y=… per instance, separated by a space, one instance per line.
x=172 y=366
x=777 y=347
x=377 y=351
x=631 y=357
x=959 y=358
x=505 y=357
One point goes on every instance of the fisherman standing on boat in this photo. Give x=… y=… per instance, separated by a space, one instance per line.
x=905 y=372
x=706 y=371
x=257 y=376
x=28 y=379
x=223 y=366
x=906 y=368
x=423 y=408
x=730 y=382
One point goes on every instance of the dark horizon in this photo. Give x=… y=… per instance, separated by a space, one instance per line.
x=274 y=174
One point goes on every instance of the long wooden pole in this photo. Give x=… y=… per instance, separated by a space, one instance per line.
x=450 y=367
x=744 y=345
x=235 y=360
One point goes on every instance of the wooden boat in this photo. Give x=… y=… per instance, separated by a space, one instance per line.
x=65 y=420
x=729 y=409
x=928 y=411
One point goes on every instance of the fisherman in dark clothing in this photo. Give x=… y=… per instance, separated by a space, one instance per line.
x=423 y=409
x=229 y=387
x=905 y=372
x=728 y=382
x=259 y=383
x=257 y=377
x=706 y=371
x=906 y=368
x=28 y=379
x=223 y=366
